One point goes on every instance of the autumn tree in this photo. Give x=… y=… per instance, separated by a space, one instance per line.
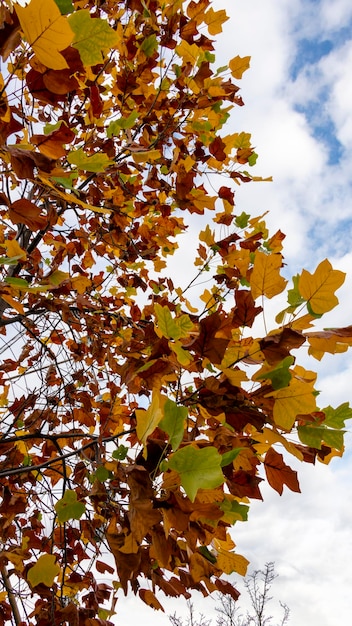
x=138 y=415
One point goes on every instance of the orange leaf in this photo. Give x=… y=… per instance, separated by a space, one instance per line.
x=149 y=598
x=278 y=473
x=265 y=279
x=25 y=212
x=238 y=65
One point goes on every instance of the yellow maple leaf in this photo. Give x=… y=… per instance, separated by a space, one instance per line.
x=147 y=420
x=318 y=288
x=268 y=437
x=238 y=65
x=46 y=30
x=44 y=571
x=215 y=20
x=295 y=399
x=265 y=278
x=188 y=52
x=229 y=561
x=13 y=249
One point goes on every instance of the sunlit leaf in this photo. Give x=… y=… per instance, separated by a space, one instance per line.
x=238 y=65
x=46 y=30
x=265 y=278
x=92 y=37
x=295 y=399
x=318 y=289
x=91 y=163
x=148 y=420
x=199 y=468
x=215 y=20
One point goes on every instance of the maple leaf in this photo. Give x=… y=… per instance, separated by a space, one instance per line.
x=278 y=473
x=69 y=507
x=46 y=30
x=238 y=65
x=265 y=278
x=318 y=288
x=199 y=468
x=25 y=212
x=44 y=571
x=92 y=37
x=148 y=420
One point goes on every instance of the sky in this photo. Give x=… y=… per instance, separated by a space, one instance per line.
x=298 y=108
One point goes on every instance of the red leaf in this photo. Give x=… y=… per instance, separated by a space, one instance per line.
x=225 y=193
x=104 y=567
x=216 y=148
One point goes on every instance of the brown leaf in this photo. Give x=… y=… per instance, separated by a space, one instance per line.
x=225 y=193
x=245 y=311
x=278 y=473
x=149 y=598
x=25 y=212
x=279 y=345
x=216 y=148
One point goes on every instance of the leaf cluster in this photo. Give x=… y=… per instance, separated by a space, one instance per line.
x=137 y=419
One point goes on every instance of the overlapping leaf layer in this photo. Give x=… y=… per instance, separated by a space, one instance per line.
x=139 y=415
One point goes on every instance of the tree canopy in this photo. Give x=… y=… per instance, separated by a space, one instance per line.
x=139 y=415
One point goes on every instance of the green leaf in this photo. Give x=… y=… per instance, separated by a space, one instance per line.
x=335 y=418
x=44 y=571
x=97 y=162
x=149 y=45
x=234 y=511
x=65 y=6
x=252 y=159
x=173 y=422
x=102 y=474
x=228 y=457
x=294 y=297
x=314 y=436
x=203 y=550
x=122 y=123
x=66 y=181
x=280 y=375
x=69 y=507
x=4 y=260
x=242 y=220
x=121 y=453
x=172 y=328
x=92 y=37
x=16 y=282
x=199 y=468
